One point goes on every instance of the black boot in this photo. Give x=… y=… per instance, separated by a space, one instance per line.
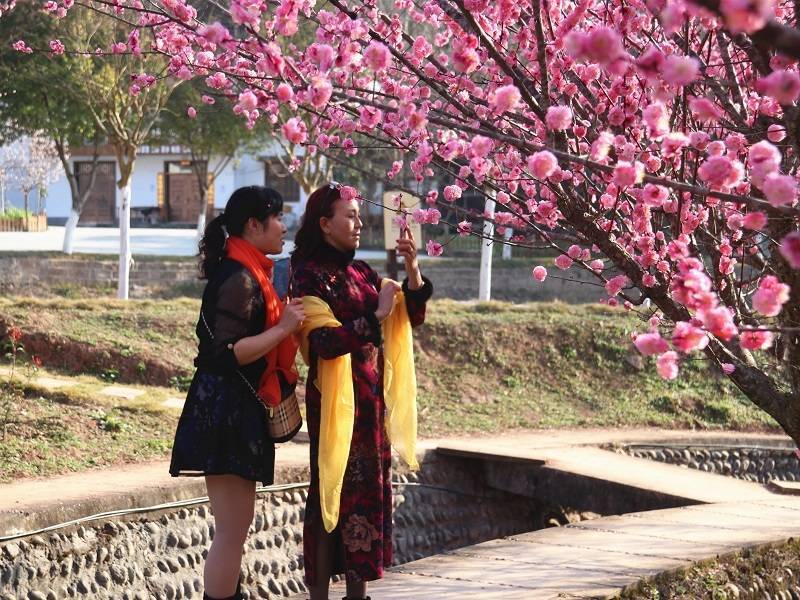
x=237 y=595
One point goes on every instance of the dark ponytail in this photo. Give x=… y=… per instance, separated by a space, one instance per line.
x=251 y=202
x=309 y=236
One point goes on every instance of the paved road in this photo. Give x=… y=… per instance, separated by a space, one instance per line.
x=105 y=240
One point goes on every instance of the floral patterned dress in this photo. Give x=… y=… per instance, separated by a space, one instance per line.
x=363 y=546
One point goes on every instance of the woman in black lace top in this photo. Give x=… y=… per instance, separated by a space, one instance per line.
x=222 y=433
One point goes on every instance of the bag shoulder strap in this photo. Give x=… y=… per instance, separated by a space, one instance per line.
x=238 y=372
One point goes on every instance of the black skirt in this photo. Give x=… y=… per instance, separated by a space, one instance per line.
x=222 y=431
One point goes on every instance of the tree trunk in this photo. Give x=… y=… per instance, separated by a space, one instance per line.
x=125 y=255
x=78 y=197
x=69 y=232
x=507 y=247
x=126 y=160
x=487 y=249
x=201 y=215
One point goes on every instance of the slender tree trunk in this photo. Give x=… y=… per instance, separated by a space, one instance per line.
x=201 y=215
x=125 y=255
x=69 y=232
x=507 y=247
x=78 y=196
x=487 y=249
x=126 y=161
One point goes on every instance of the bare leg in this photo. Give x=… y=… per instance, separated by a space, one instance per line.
x=356 y=588
x=233 y=504
x=324 y=566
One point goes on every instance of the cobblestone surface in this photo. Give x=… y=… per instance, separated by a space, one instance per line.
x=159 y=555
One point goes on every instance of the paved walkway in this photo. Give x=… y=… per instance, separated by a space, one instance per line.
x=144 y=241
x=599 y=558
x=592 y=559
x=589 y=559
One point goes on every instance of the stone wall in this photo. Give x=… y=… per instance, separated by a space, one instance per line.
x=26 y=273
x=159 y=554
x=760 y=464
x=457 y=280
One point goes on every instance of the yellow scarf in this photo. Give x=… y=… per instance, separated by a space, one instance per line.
x=335 y=383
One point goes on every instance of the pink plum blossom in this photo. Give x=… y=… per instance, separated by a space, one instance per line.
x=295 y=131
x=755 y=220
x=348 y=192
x=667 y=365
x=746 y=16
x=650 y=343
x=284 y=92
x=719 y=321
x=377 y=56
x=21 y=46
x=57 y=47
x=558 y=118
x=680 y=70
x=687 y=337
x=615 y=284
x=728 y=368
x=505 y=99
x=780 y=190
x=790 y=249
x=755 y=339
x=720 y=172
x=542 y=164
x=452 y=193
x=563 y=262
x=627 y=174
x=770 y=296
x=434 y=248
x=539 y=273
x=782 y=85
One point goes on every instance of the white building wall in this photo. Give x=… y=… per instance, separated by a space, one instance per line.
x=242 y=171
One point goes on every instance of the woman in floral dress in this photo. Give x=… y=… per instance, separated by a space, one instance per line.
x=323 y=266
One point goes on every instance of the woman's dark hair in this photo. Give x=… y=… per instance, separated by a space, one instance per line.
x=254 y=201
x=309 y=236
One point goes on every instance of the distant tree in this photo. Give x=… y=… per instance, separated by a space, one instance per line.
x=37 y=93
x=211 y=133
x=113 y=82
x=32 y=164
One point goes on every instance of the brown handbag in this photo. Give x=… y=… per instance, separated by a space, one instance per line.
x=283 y=420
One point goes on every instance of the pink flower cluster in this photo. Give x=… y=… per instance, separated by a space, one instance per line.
x=542 y=164
x=770 y=296
x=790 y=249
x=21 y=46
x=505 y=99
x=558 y=118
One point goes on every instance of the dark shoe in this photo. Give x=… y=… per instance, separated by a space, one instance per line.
x=237 y=595
x=348 y=598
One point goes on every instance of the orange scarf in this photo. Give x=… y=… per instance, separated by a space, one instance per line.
x=281 y=357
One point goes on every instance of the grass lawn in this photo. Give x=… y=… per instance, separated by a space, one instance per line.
x=481 y=368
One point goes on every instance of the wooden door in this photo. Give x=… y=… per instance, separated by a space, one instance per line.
x=182 y=192
x=101 y=205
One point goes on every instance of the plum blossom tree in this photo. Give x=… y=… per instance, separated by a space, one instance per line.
x=652 y=143
x=32 y=164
